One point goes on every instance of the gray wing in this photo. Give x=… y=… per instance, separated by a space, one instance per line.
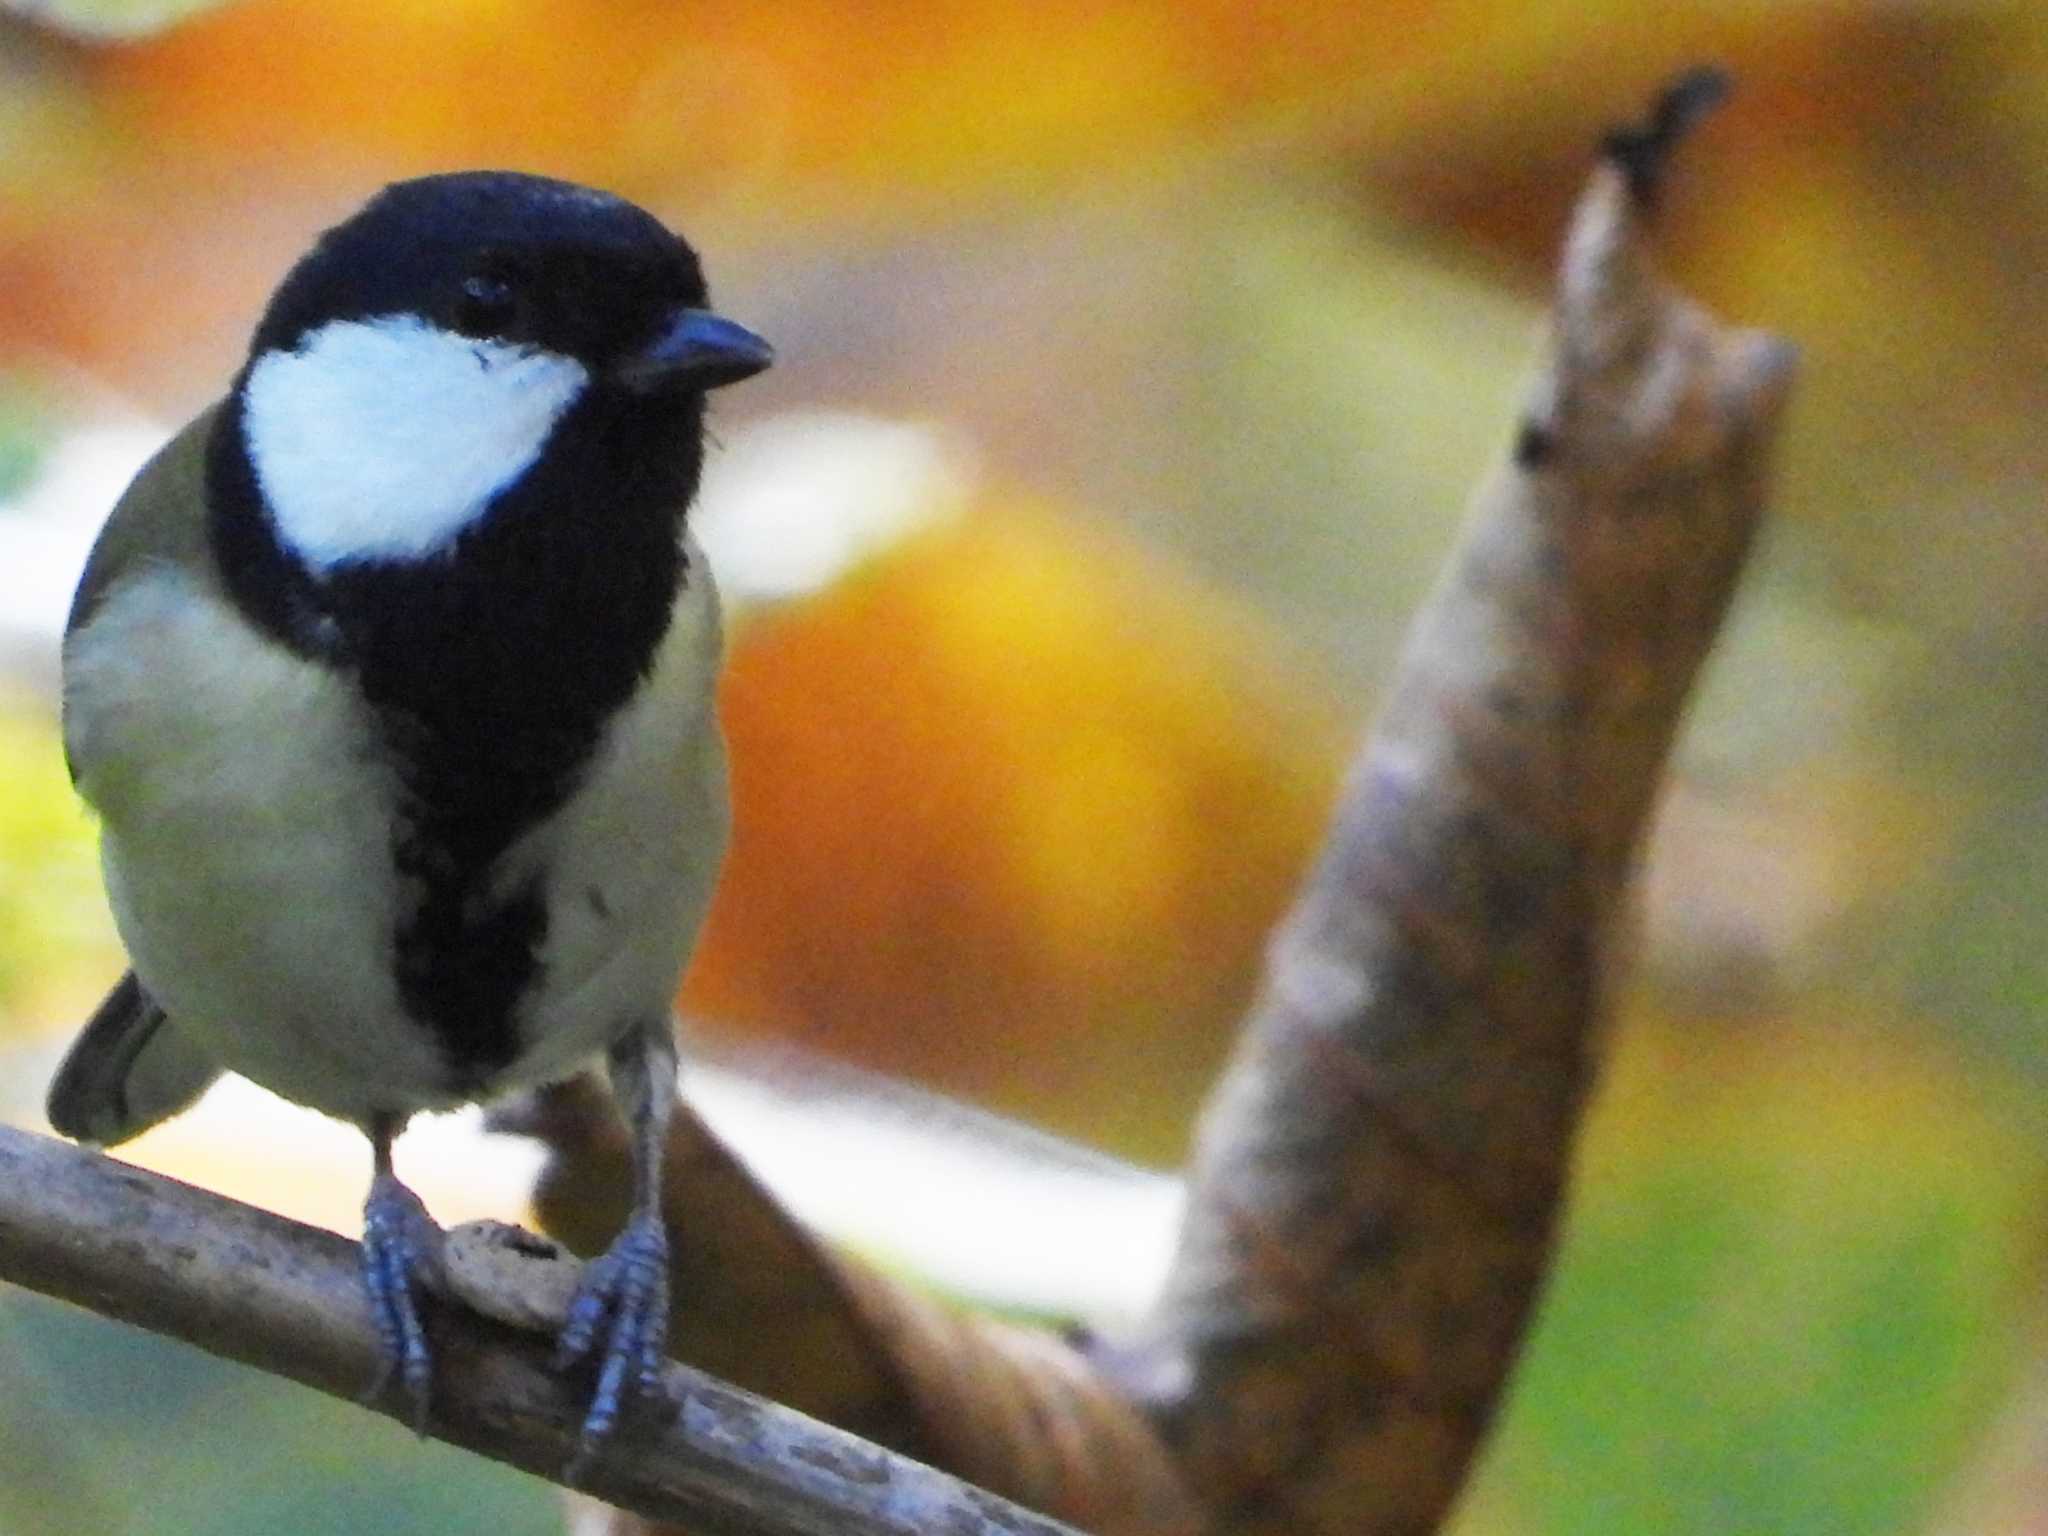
x=129 y=1069
x=160 y=519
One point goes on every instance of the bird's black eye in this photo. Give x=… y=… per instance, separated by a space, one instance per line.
x=488 y=305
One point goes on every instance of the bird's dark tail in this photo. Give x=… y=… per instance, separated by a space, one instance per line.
x=129 y=1069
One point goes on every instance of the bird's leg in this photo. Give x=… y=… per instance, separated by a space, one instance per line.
x=401 y=1250
x=619 y=1317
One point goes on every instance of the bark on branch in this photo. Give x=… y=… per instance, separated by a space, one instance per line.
x=287 y=1298
x=1379 y=1174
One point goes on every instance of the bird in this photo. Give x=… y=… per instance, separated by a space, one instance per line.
x=390 y=680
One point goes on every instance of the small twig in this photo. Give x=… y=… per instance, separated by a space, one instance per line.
x=286 y=1298
x=1643 y=150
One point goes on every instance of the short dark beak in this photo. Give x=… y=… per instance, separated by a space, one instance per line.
x=696 y=350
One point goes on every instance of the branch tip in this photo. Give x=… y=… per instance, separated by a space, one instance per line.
x=1642 y=151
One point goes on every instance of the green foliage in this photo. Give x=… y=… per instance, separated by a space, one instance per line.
x=23 y=430
x=53 y=918
x=116 y=1431
x=1790 y=1311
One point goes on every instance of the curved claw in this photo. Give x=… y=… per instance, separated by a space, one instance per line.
x=619 y=1318
x=401 y=1251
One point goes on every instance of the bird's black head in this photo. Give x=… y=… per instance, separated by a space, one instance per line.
x=469 y=347
x=458 y=459
x=520 y=260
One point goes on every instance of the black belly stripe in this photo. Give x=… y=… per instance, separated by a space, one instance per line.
x=467 y=948
x=464 y=963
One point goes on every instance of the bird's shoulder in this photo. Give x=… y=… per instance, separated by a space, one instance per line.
x=158 y=657
x=160 y=520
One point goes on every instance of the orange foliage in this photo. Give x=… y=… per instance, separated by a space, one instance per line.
x=887 y=97
x=1014 y=810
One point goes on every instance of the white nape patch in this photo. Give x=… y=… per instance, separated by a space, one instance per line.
x=385 y=438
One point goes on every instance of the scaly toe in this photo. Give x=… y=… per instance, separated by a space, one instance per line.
x=401 y=1252
x=619 y=1319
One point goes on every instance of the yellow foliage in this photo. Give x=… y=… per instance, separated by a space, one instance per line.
x=1014 y=810
x=55 y=938
x=885 y=98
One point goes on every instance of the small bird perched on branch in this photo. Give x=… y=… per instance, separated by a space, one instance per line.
x=390 y=678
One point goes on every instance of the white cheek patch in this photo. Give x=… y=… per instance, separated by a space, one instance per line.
x=385 y=438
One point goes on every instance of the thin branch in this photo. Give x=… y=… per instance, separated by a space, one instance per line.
x=286 y=1298
x=1009 y=1408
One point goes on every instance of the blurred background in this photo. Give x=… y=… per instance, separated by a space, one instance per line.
x=1136 y=360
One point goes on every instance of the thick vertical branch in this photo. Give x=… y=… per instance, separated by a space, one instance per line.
x=1377 y=1180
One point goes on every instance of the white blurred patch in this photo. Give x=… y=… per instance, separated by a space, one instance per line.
x=982 y=1205
x=793 y=502
x=47 y=530
x=96 y=21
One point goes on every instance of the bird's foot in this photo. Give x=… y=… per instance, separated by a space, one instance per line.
x=619 y=1320
x=401 y=1252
